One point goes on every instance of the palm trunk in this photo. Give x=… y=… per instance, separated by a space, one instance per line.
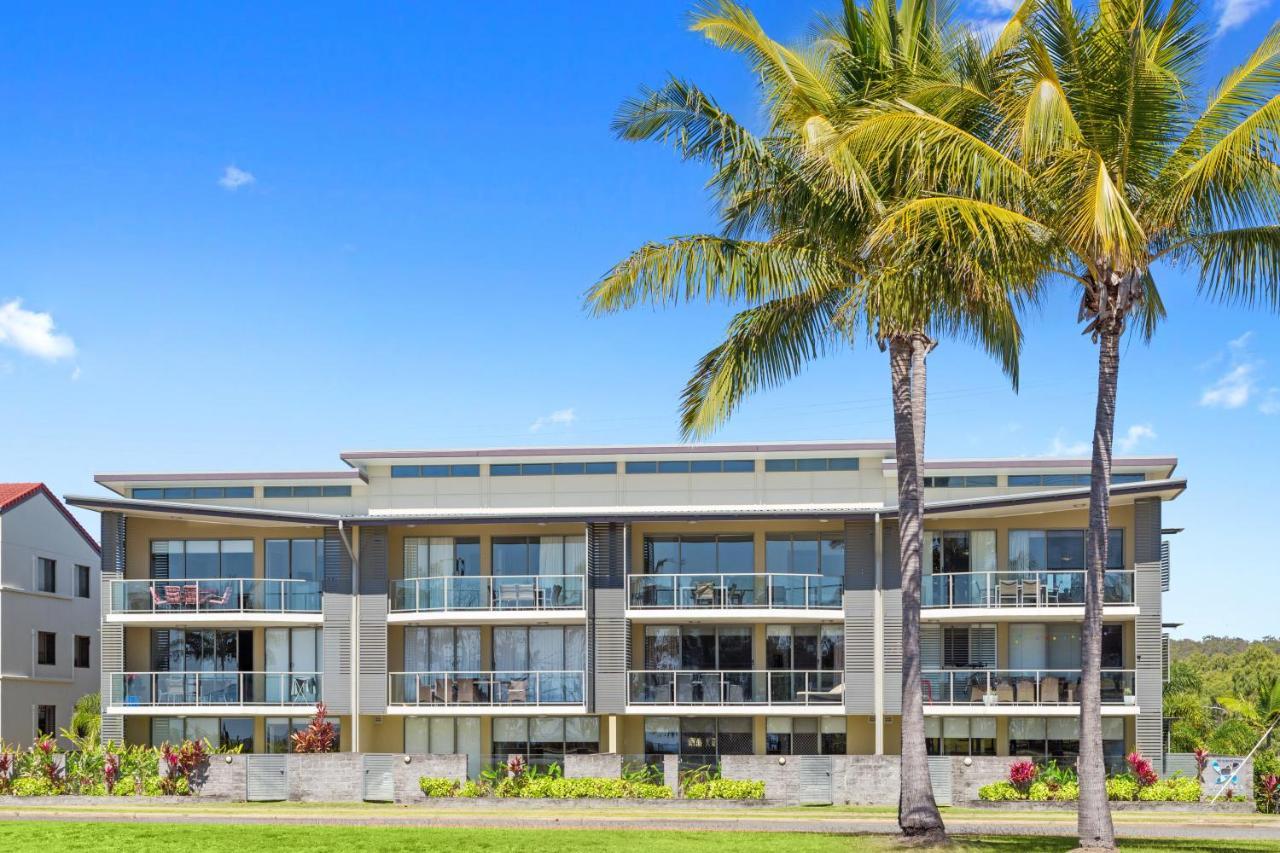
x=918 y=815
x=1094 y=819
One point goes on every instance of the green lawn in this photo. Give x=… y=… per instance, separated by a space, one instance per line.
x=214 y=838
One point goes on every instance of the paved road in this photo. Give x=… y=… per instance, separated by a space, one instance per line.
x=1199 y=828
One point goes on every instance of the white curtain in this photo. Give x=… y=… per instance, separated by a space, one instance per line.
x=982 y=551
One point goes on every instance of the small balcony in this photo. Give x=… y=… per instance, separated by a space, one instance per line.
x=729 y=691
x=496 y=692
x=1000 y=691
x=481 y=598
x=743 y=596
x=220 y=601
x=194 y=692
x=1050 y=591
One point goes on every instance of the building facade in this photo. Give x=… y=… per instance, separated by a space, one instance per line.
x=49 y=613
x=697 y=600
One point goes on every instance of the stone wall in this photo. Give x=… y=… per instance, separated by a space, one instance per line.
x=855 y=779
x=224 y=779
x=606 y=765
x=406 y=775
x=982 y=770
x=332 y=778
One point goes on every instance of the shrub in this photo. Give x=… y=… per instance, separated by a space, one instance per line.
x=435 y=787
x=1039 y=792
x=1266 y=764
x=559 y=788
x=1022 y=774
x=1142 y=769
x=472 y=789
x=34 y=786
x=725 y=789
x=1000 y=792
x=1069 y=792
x=318 y=736
x=1122 y=788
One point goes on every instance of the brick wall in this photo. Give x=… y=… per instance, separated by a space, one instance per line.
x=603 y=766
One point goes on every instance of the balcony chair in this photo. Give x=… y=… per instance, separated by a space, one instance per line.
x=466 y=691
x=1004 y=691
x=1030 y=592
x=157 y=600
x=173 y=595
x=704 y=594
x=1050 y=689
x=1026 y=691
x=519 y=595
x=835 y=694
x=1072 y=686
x=190 y=594
x=216 y=600
x=1007 y=592
x=518 y=691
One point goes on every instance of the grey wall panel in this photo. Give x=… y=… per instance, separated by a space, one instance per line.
x=114 y=526
x=859 y=555
x=892 y=650
x=373 y=561
x=859 y=651
x=373 y=654
x=110 y=637
x=336 y=684
x=1146 y=530
x=607 y=555
x=337 y=562
x=1149 y=651
x=612 y=651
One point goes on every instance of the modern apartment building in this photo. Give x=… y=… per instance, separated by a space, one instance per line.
x=699 y=600
x=49 y=613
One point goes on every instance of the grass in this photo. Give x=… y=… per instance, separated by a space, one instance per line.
x=215 y=838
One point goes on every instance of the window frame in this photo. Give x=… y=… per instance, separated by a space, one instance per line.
x=85 y=641
x=47 y=569
x=52 y=651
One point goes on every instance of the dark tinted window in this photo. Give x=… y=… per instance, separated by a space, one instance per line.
x=177 y=493
x=602 y=467
x=739 y=466
x=505 y=470
x=148 y=494
x=642 y=467
x=674 y=466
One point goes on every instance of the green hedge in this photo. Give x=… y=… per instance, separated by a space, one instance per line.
x=1122 y=788
x=725 y=789
x=547 y=788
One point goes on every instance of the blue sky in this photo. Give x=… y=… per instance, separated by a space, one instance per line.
x=245 y=238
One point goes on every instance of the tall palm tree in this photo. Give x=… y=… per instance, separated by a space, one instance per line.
x=1096 y=163
x=795 y=219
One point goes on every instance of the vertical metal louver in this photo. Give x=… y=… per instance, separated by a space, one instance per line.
x=1164 y=566
x=373 y=621
x=940 y=779
x=814 y=780
x=266 y=778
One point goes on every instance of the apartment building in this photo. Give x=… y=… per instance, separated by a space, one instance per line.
x=697 y=600
x=49 y=613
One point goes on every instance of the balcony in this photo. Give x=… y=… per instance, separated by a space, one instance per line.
x=1060 y=592
x=1049 y=692
x=221 y=601
x=496 y=692
x=196 y=692
x=743 y=597
x=735 y=691
x=481 y=598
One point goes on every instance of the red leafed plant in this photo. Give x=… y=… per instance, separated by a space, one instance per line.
x=1271 y=791
x=515 y=766
x=180 y=764
x=46 y=749
x=318 y=736
x=1202 y=761
x=6 y=771
x=111 y=771
x=1142 y=769
x=1022 y=774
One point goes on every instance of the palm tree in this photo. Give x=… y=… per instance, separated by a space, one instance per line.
x=792 y=247
x=86 y=718
x=1095 y=163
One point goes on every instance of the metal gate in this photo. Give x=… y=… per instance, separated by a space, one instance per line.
x=940 y=778
x=815 y=780
x=266 y=777
x=378 y=784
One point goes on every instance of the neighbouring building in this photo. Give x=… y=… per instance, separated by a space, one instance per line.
x=697 y=600
x=49 y=613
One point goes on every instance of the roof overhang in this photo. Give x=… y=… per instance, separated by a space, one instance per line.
x=200 y=512
x=117 y=482
x=601 y=514
x=1058 y=500
x=1167 y=464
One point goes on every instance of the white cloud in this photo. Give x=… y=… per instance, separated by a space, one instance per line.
x=1233 y=13
x=1062 y=447
x=1235 y=388
x=233 y=178
x=1135 y=435
x=33 y=333
x=560 y=417
x=75 y=374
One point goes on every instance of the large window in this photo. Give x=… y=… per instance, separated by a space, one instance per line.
x=841 y=463
x=1058 y=550
x=1059 y=738
x=201 y=558
x=442 y=649
x=805 y=553
x=953 y=551
x=46 y=575
x=543 y=648
x=539 y=555
x=446 y=736
x=209 y=650
x=279 y=732
x=220 y=732
x=804 y=647
x=960 y=735
x=697 y=647
x=295 y=659
x=697 y=740
x=545 y=740
x=441 y=556
x=299 y=560
x=805 y=736
x=189 y=492
x=709 y=554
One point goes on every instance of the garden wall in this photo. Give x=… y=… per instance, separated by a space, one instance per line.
x=330 y=778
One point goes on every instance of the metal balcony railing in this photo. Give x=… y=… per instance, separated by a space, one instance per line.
x=735 y=687
x=770 y=590
x=1021 y=589
x=1021 y=686
x=214 y=688
x=476 y=689
x=216 y=595
x=496 y=592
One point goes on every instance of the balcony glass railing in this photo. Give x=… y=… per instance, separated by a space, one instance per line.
x=218 y=595
x=1021 y=686
x=1021 y=589
x=215 y=688
x=498 y=592
x=735 y=687
x=470 y=689
x=729 y=591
